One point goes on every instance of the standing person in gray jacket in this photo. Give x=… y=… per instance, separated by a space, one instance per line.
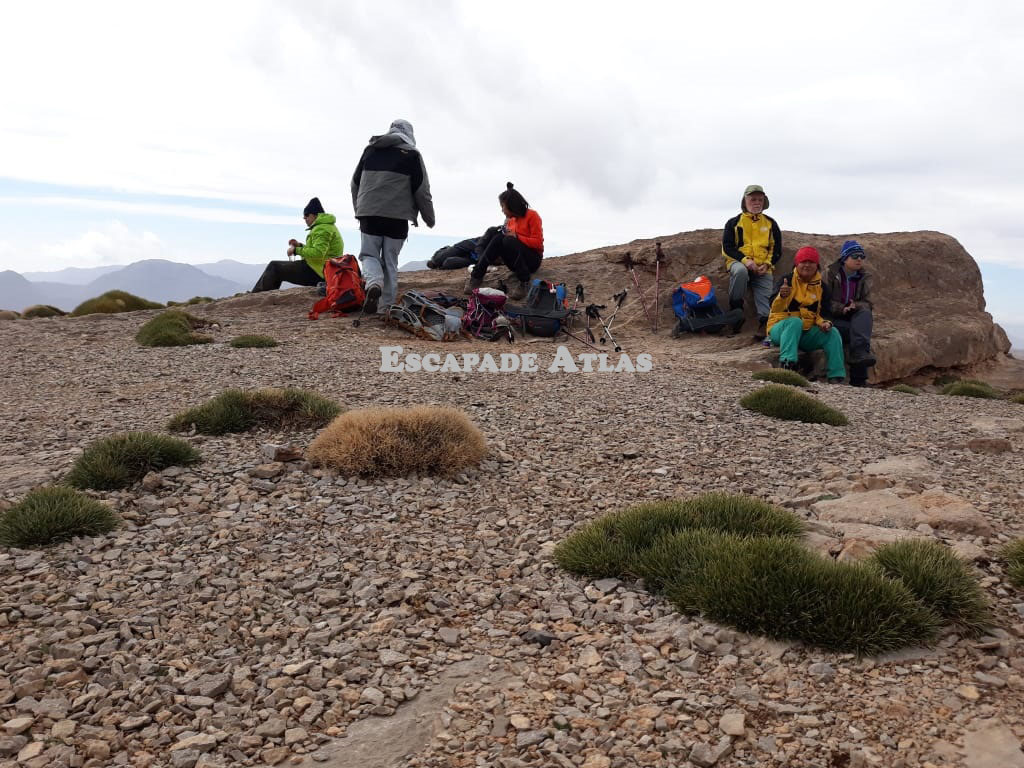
x=389 y=189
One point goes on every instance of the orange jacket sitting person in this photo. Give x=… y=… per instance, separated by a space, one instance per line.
x=519 y=244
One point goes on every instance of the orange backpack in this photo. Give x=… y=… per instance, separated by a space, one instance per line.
x=345 y=288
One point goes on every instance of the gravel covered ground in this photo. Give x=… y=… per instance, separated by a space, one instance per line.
x=249 y=612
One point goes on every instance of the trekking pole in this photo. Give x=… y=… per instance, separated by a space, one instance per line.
x=620 y=299
x=627 y=260
x=659 y=256
x=594 y=310
x=358 y=320
x=576 y=301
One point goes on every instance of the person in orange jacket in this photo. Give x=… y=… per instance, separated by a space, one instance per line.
x=519 y=244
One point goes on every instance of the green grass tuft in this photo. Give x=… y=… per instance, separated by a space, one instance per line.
x=42 y=310
x=253 y=340
x=939 y=579
x=236 y=410
x=905 y=389
x=1013 y=554
x=945 y=378
x=54 y=514
x=782 y=376
x=172 y=328
x=610 y=545
x=120 y=460
x=970 y=389
x=739 y=561
x=190 y=302
x=112 y=302
x=787 y=403
x=1018 y=398
x=777 y=588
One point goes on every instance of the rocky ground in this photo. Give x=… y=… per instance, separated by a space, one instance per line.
x=252 y=612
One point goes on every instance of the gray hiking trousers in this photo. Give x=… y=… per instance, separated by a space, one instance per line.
x=379 y=257
x=739 y=278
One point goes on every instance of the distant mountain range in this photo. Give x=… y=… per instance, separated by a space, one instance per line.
x=153 y=279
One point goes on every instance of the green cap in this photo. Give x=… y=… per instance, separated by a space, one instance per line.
x=752 y=189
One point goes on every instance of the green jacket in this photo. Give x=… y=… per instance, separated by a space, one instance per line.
x=324 y=242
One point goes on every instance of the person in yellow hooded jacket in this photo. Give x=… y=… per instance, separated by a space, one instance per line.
x=795 y=322
x=751 y=246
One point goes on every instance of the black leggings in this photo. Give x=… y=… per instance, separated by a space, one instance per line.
x=498 y=248
x=277 y=272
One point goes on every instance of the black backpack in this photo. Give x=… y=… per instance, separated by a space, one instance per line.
x=543 y=311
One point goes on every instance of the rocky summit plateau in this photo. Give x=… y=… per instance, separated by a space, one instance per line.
x=255 y=610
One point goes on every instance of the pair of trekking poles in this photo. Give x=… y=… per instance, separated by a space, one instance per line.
x=593 y=312
x=659 y=257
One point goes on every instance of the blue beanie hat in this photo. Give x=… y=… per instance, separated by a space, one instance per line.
x=852 y=248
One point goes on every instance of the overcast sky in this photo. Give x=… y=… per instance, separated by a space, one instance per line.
x=197 y=131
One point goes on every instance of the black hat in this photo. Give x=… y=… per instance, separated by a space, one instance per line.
x=313 y=206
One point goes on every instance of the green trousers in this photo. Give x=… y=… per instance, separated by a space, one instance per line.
x=789 y=335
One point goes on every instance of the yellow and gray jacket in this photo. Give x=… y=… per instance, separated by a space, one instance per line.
x=757 y=238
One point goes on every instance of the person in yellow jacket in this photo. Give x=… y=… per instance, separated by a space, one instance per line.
x=795 y=322
x=324 y=242
x=751 y=245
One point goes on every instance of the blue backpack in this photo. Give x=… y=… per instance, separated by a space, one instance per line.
x=695 y=305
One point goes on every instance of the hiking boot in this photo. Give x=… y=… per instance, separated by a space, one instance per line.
x=836 y=380
x=762 y=329
x=472 y=284
x=866 y=360
x=518 y=292
x=372 y=297
x=788 y=366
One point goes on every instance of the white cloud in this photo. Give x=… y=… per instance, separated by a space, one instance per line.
x=110 y=243
x=616 y=121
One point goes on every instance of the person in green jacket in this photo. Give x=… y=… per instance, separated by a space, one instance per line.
x=324 y=242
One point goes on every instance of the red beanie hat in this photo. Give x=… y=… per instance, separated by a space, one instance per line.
x=807 y=254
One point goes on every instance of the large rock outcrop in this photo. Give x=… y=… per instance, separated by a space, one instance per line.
x=929 y=301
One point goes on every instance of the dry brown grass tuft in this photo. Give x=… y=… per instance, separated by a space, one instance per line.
x=380 y=442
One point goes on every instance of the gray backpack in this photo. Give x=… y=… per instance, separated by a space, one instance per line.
x=422 y=317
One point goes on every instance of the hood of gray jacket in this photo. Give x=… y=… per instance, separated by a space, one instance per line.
x=400 y=134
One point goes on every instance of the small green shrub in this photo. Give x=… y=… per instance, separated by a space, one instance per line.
x=787 y=403
x=54 y=514
x=253 y=340
x=112 y=302
x=190 y=302
x=782 y=376
x=939 y=579
x=777 y=588
x=43 y=310
x=970 y=389
x=905 y=389
x=1018 y=398
x=610 y=545
x=172 y=328
x=236 y=410
x=1013 y=554
x=120 y=460
x=945 y=378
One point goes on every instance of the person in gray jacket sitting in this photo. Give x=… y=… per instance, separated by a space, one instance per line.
x=389 y=189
